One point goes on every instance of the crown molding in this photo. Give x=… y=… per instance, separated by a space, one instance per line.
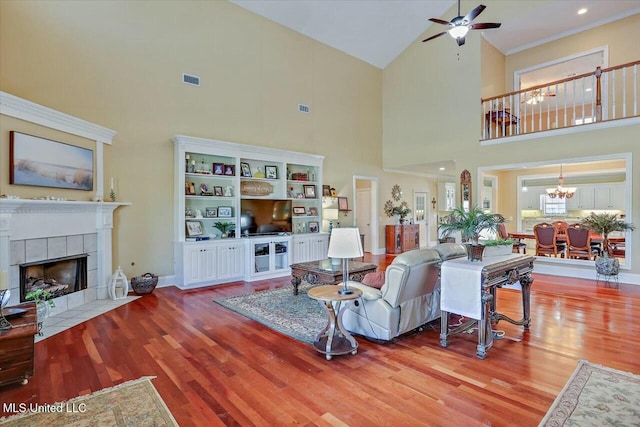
x=22 y=109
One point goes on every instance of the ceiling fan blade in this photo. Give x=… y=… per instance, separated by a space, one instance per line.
x=460 y=41
x=484 y=25
x=474 y=13
x=433 y=37
x=439 y=21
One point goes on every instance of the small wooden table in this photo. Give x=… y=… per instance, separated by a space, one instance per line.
x=323 y=272
x=17 y=346
x=334 y=339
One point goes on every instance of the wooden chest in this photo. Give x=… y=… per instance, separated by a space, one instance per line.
x=402 y=238
x=17 y=347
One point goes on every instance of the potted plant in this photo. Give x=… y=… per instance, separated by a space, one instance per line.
x=224 y=227
x=43 y=304
x=604 y=223
x=470 y=224
x=498 y=246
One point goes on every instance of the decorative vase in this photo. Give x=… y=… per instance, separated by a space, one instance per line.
x=607 y=266
x=42 y=312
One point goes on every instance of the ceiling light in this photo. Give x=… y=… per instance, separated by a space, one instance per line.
x=442 y=168
x=560 y=191
x=582 y=11
x=459 y=31
x=588 y=89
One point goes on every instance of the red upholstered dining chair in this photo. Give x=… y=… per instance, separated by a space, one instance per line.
x=517 y=244
x=546 y=243
x=579 y=242
x=561 y=226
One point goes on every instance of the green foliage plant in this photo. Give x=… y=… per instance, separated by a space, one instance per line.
x=604 y=223
x=40 y=295
x=470 y=223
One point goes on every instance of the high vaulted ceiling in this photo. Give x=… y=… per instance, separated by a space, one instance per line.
x=376 y=31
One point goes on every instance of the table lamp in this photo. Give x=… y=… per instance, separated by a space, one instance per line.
x=345 y=244
x=330 y=214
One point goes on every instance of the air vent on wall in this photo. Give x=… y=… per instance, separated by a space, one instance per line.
x=304 y=108
x=190 y=79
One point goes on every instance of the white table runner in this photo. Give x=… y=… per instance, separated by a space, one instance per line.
x=460 y=282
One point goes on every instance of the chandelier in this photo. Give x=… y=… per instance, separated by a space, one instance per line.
x=560 y=191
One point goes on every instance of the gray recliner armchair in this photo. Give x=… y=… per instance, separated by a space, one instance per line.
x=409 y=298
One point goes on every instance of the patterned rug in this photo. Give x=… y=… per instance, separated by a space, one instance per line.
x=298 y=316
x=134 y=403
x=596 y=396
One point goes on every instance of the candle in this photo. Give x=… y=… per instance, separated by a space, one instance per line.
x=4 y=284
x=112 y=183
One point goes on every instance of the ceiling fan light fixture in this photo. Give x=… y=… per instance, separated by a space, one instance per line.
x=459 y=31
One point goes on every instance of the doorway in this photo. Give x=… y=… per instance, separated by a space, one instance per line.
x=366 y=212
x=421 y=216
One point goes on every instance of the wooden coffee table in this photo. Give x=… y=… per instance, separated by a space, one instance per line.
x=323 y=272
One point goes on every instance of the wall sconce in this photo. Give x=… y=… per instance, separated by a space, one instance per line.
x=433 y=203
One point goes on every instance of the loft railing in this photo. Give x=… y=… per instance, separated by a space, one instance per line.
x=604 y=94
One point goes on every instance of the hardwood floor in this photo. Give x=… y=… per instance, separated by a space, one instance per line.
x=215 y=367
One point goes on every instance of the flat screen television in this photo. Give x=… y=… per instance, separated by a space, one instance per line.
x=260 y=217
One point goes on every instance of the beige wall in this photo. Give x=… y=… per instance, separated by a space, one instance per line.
x=119 y=65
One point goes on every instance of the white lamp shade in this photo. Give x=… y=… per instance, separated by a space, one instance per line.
x=345 y=243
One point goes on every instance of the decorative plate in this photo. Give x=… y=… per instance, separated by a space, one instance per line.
x=396 y=192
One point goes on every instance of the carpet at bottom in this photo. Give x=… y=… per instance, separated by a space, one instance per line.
x=297 y=316
x=596 y=396
x=134 y=403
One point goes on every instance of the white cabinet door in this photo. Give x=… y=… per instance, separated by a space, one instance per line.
x=531 y=198
x=616 y=196
x=230 y=261
x=318 y=247
x=583 y=198
x=601 y=198
x=300 y=249
x=200 y=263
x=269 y=257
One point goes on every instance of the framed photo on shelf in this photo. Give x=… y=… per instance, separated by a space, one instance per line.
x=211 y=212
x=194 y=228
x=189 y=188
x=309 y=191
x=343 y=204
x=224 y=212
x=299 y=210
x=217 y=190
x=245 y=169
x=271 y=172
x=229 y=170
x=326 y=191
x=313 y=211
x=218 y=169
x=333 y=192
x=314 y=227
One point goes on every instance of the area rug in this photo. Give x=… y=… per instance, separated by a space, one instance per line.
x=298 y=316
x=596 y=396
x=134 y=403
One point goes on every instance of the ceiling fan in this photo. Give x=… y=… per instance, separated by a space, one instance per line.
x=460 y=25
x=537 y=96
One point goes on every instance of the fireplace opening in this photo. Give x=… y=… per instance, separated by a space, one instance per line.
x=59 y=276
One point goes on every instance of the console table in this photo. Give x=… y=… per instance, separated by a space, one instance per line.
x=469 y=289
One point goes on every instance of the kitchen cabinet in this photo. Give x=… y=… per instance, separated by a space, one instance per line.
x=609 y=197
x=530 y=199
x=582 y=199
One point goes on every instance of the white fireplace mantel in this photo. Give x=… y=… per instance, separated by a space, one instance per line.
x=24 y=219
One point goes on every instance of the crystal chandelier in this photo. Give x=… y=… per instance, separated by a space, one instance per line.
x=560 y=191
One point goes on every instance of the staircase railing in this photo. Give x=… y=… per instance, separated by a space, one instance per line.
x=601 y=95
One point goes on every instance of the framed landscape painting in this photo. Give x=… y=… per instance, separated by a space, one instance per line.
x=42 y=162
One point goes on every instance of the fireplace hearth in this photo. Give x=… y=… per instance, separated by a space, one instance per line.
x=60 y=276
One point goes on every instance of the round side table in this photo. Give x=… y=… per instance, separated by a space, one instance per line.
x=334 y=339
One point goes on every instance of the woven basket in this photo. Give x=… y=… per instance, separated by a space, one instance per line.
x=144 y=284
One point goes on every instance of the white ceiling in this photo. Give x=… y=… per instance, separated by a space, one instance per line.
x=377 y=31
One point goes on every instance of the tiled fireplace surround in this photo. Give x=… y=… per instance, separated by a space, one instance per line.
x=39 y=230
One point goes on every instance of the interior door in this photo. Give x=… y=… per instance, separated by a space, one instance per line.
x=363 y=216
x=421 y=216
